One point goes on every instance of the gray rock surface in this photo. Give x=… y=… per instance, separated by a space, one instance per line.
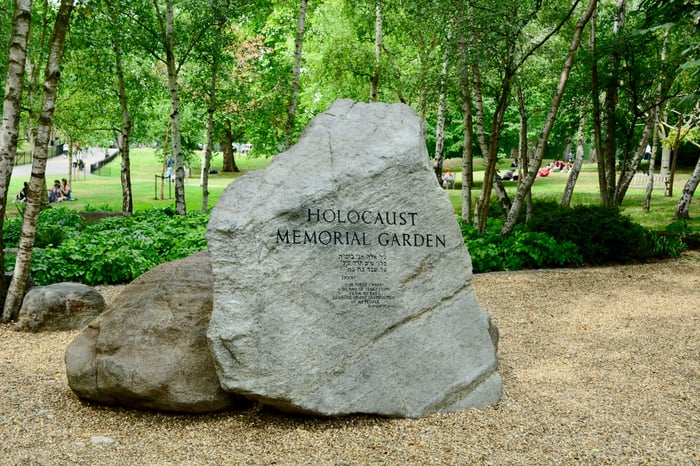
x=342 y=283
x=60 y=306
x=149 y=349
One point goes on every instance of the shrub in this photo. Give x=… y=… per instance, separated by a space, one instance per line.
x=521 y=250
x=602 y=234
x=54 y=226
x=119 y=249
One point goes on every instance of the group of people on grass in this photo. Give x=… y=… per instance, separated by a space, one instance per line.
x=558 y=166
x=60 y=191
x=511 y=174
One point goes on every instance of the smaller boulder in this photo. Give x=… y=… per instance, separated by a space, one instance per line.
x=61 y=306
x=149 y=349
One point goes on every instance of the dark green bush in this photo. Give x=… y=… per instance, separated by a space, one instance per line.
x=55 y=225
x=119 y=249
x=521 y=250
x=602 y=234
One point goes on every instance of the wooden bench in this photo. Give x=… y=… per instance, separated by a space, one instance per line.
x=640 y=181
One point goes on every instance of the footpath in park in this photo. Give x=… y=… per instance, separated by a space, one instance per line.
x=58 y=166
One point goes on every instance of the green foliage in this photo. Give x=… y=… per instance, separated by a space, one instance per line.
x=90 y=208
x=12 y=228
x=521 y=250
x=662 y=246
x=602 y=234
x=570 y=237
x=678 y=232
x=54 y=226
x=117 y=250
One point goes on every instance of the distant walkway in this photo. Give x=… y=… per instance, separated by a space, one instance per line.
x=59 y=165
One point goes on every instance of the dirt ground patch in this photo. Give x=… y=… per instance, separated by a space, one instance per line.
x=600 y=366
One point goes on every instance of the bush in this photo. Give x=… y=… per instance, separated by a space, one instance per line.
x=55 y=225
x=118 y=250
x=521 y=250
x=602 y=234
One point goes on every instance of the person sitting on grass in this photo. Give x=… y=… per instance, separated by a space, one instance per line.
x=509 y=175
x=65 y=190
x=448 y=179
x=23 y=193
x=55 y=193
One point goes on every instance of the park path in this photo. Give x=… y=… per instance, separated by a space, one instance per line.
x=58 y=166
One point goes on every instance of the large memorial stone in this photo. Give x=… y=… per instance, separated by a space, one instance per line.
x=341 y=280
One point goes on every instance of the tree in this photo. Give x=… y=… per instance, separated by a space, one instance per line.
x=440 y=125
x=526 y=184
x=52 y=74
x=376 y=73
x=578 y=163
x=499 y=53
x=168 y=30
x=296 y=73
x=9 y=132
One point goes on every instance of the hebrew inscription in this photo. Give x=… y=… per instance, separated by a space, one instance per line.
x=364 y=276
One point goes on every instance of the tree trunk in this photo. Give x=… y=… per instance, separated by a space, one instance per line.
x=374 y=82
x=522 y=137
x=609 y=146
x=526 y=184
x=127 y=197
x=440 y=126
x=467 y=155
x=15 y=292
x=683 y=207
x=578 y=162
x=627 y=174
x=652 y=162
x=211 y=108
x=36 y=59
x=173 y=87
x=674 y=156
x=655 y=137
x=665 y=158
x=11 y=108
x=229 y=164
x=490 y=157
x=165 y=163
x=296 y=74
x=597 y=152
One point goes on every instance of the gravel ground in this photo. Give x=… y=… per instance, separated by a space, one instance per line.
x=600 y=366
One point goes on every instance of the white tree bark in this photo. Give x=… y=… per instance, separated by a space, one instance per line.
x=578 y=162
x=11 y=108
x=440 y=125
x=374 y=84
x=173 y=87
x=296 y=73
x=11 y=105
x=526 y=184
x=37 y=182
x=683 y=207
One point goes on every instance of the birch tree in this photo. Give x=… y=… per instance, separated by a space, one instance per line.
x=11 y=107
x=296 y=73
x=578 y=163
x=37 y=182
x=376 y=73
x=168 y=30
x=526 y=184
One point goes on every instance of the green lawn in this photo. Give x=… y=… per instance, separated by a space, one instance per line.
x=104 y=190
x=586 y=192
